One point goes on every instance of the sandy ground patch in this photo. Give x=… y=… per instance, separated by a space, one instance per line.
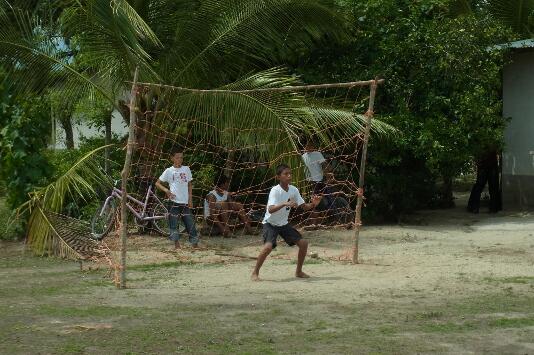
x=445 y=281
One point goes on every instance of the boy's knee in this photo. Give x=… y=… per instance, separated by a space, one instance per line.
x=303 y=243
x=267 y=247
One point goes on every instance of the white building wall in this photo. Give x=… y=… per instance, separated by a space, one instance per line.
x=81 y=129
x=518 y=155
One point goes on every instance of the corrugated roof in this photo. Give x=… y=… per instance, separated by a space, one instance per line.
x=525 y=43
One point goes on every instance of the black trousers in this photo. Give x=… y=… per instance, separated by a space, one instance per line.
x=489 y=175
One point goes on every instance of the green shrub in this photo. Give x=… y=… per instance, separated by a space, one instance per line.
x=24 y=136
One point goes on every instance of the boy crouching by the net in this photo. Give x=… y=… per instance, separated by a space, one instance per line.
x=179 y=178
x=282 y=198
x=219 y=208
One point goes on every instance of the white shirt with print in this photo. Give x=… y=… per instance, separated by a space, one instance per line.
x=313 y=161
x=278 y=196
x=178 y=180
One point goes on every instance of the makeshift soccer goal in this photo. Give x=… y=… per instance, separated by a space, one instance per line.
x=242 y=132
x=238 y=135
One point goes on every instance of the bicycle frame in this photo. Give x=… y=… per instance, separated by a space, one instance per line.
x=116 y=193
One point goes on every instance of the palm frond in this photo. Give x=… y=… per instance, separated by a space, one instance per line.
x=241 y=33
x=82 y=181
x=234 y=116
x=345 y=122
x=45 y=239
x=517 y=14
x=34 y=61
x=165 y=18
x=107 y=37
x=111 y=38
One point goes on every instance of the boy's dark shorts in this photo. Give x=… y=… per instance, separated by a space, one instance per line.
x=290 y=235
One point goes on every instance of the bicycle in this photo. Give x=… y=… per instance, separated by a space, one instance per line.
x=156 y=213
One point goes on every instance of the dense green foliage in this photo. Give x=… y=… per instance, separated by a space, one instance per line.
x=25 y=133
x=442 y=92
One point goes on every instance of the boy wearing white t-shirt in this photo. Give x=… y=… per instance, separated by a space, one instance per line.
x=315 y=170
x=180 y=190
x=314 y=161
x=282 y=198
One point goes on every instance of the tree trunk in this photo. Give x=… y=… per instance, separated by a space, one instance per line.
x=107 y=125
x=448 y=199
x=66 y=123
x=130 y=147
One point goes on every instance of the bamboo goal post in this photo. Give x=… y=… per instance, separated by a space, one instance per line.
x=367 y=132
x=130 y=147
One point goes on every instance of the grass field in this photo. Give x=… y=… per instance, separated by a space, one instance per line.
x=447 y=283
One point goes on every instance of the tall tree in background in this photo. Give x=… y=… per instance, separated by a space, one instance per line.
x=201 y=44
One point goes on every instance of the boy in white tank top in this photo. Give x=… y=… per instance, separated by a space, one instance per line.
x=218 y=207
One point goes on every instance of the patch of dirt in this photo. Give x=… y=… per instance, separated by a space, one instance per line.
x=434 y=286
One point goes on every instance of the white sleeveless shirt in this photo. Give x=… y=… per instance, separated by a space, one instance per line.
x=218 y=198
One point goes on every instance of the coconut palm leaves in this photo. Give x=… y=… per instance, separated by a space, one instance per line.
x=110 y=37
x=244 y=114
x=93 y=45
x=237 y=35
x=83 y=181
x=517 y=14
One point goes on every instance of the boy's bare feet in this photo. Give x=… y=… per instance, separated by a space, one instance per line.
x=302 y=275
x=177 y=245
x=255 y=277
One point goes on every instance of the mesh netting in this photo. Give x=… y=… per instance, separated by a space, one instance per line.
x=221 y=135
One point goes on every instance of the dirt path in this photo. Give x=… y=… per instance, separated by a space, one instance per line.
x=447 y=282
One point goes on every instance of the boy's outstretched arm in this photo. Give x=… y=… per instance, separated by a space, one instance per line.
x=314 y=202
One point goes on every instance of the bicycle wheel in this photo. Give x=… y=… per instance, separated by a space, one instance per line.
x=161 y=224
x=103 y=221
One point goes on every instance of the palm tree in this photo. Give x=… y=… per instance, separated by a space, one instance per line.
x=94 y=46
x=517 y=14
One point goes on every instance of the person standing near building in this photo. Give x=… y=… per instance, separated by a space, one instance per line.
x=487 y=172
